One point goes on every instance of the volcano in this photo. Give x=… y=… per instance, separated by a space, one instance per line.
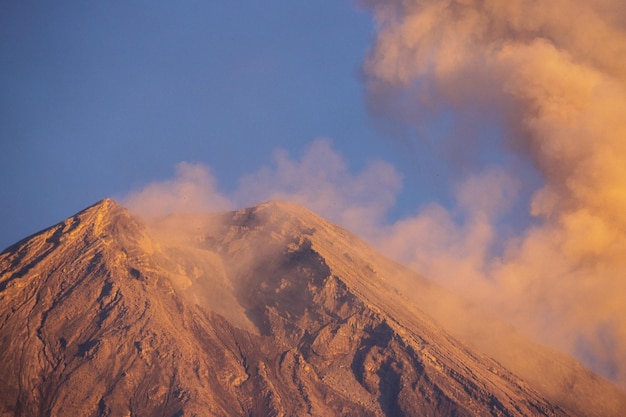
x=265 y=311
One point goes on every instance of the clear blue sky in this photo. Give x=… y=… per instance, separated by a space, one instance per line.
x=98 y=98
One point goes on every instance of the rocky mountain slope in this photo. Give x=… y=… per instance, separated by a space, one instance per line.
x=267 y=311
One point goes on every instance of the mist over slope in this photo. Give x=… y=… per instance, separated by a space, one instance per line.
x=266 y=310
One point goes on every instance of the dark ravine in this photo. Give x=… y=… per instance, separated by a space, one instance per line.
x=267 y=311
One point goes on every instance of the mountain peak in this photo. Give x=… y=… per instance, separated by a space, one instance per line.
x=106 y=205
x=106 y=202
x=286 y=207
x=269 y=310
x=275 y=212
x=106 y=209
x=106 y=219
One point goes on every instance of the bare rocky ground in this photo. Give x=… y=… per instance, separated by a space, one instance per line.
x=268 y=311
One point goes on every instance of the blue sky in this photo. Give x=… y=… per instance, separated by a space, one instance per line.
x=98 y=99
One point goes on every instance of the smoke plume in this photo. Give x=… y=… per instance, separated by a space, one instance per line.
x=549 y=78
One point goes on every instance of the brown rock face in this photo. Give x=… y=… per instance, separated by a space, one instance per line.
x=268 y=311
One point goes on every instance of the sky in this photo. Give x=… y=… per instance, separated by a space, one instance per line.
x=97 y=100
x=482 y=143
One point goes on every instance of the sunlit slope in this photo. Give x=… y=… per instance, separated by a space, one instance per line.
x=265 y=311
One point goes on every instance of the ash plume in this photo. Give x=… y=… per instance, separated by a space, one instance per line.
x=549 y=79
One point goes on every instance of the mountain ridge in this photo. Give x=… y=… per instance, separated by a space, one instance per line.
x=237 y=313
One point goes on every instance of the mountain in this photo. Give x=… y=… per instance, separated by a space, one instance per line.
x=266 y=311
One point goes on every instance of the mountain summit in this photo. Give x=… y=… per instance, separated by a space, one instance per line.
x=269 y=310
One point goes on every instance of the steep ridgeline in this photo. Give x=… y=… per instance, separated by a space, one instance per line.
x=267 y=311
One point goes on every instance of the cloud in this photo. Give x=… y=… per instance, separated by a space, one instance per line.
x=322 y=181
x=533 y=95
x=455 y=245
x=193 y=189
x=549 y=79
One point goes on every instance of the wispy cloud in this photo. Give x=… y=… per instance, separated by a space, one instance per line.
x=321 y=180
x=193 y=189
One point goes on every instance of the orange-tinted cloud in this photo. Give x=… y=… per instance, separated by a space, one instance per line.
x=321 y=180
x=552 y=75
x=193 y=189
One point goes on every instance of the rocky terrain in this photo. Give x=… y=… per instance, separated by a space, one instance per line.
x=267 y=311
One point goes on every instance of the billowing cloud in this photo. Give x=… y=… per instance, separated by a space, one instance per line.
x=321 y=180
x=455 y=245
x=549 y=78
x=193 y=189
